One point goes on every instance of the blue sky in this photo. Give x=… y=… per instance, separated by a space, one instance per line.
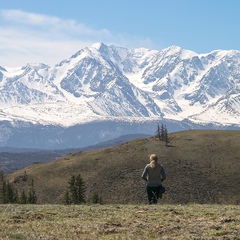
x=49 y=31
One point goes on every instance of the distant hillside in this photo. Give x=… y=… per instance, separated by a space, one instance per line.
x=201 y=166
x=13 y=159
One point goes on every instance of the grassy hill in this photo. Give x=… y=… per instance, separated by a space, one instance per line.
x=201 y=166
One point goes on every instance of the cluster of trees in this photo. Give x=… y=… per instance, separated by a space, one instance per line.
x=75 y=193
x=162 y=134
x=11 y=195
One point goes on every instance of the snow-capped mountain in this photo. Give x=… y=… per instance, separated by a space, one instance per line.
x=105 y=83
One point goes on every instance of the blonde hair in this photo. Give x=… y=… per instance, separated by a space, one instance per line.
x=153 y=160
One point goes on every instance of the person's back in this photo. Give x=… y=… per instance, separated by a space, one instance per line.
x=154 y=175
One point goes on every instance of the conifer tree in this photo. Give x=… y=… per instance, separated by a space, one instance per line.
x=8 y=193
x=72 y=190
x=166 y=139
x=16 y=196
x=158 y=132
x=23 y=198
x=32 y=198
x=67 y=198
x=76 y=194
x=96 y=198
x=163 y=129
x=1 y=186
x=80 y=189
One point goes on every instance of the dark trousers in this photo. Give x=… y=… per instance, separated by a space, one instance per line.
x=153 y=194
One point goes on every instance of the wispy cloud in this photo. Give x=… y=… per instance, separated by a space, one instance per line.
x=29 y=37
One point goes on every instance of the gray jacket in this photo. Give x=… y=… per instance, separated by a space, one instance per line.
x=154 y=176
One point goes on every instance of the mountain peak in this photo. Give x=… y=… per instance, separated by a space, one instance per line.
x=99 y=46
x=184 y=53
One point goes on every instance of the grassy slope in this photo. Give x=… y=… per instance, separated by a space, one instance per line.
x=201 y=166
x=100 y=222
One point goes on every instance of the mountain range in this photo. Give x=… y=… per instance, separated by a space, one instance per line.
x=102 y=92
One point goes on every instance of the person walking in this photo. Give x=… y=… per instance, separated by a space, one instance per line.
x=154 y=175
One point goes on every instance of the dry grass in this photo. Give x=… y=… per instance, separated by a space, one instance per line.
x=120 y=222
x=201 y=166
